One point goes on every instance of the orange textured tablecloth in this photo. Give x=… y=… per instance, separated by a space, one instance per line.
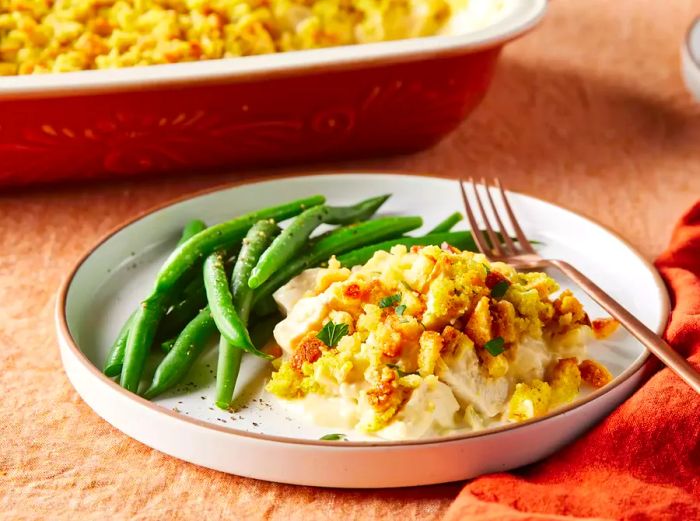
x=589 y=111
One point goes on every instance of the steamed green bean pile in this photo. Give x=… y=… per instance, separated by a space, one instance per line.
x=219 y=281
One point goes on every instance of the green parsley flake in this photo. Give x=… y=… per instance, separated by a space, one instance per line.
x=334 y=437
x=389 y=301
x=332 y=333
x=400 y=309
x=495 y=346
x=399 y=371
x=500 y=288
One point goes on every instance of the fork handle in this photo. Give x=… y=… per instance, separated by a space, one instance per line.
x=646 y=336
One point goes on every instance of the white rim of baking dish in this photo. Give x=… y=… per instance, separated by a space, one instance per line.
x=70 y=344
x=521 y=17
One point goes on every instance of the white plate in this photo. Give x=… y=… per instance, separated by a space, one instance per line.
x=690 y=58
x=263 y=440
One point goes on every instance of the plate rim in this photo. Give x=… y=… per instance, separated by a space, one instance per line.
x=66 y=338
x=694 y=58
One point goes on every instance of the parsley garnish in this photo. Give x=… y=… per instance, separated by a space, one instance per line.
x=399 y=371
x=500 y=288
x=495 y=346
x=332 y=333
x=389 y=301
x=334 y=437
x=400 y=309
x=488 y=270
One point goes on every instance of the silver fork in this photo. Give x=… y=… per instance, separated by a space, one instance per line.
x=521 y=255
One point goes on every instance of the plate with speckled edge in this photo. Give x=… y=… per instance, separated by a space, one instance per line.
x=262 y=439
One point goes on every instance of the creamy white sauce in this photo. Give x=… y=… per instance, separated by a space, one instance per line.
x=329 y=411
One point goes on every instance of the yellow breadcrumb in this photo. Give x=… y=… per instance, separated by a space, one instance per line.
x=594 y=373
x=604 y=327
x=431 y=344
x=496 y=366
x=565 y=381
x=529 y=400
x=480 y=322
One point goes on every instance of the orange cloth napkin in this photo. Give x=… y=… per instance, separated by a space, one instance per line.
x=643 y=461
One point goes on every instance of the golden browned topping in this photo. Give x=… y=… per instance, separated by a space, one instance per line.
x=604 y=327
x=309 y=350
x=435 y=329
x=594 y=373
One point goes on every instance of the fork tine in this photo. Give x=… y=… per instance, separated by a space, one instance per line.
x=476 y=233
x=495 y=243
x=508 y=244
x=524 y=243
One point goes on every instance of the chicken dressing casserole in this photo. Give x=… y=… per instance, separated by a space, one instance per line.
x=428 y=341
x=40 y=36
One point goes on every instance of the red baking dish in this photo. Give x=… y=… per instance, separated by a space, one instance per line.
x=322 y=104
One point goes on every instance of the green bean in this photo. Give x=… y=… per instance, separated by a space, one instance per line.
x=255 y=243
x=115 y=358
x=182 y=312
x=355 y=213
x=447 y=224
x=181 y=260
x=260 y=333
x=222 y=235
x=227 y=368
x=220 y=301
x=461 y=240
x=191 y=301
x=339 y=241
x=294 y=238
x=191 y=229
x=168 y=344
x=188 y=346
x=143 y=330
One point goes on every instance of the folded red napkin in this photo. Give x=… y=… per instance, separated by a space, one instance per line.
x=643 y=461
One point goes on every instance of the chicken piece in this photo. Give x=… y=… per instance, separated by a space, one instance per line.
x=470 y=381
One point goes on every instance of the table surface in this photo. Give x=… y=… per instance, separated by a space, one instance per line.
x=589 y=111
